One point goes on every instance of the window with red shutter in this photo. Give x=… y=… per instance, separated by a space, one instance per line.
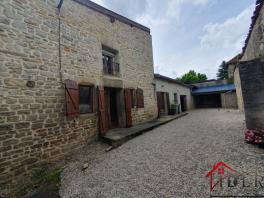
x=72 y=98
x=140 y=98
x=86 y=99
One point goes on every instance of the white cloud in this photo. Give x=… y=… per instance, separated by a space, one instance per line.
x=201 y=2
x=229 y=34
x=151 y=21
x=100 y=2
x=129 y=8
x=149 y=11
x=175 y=6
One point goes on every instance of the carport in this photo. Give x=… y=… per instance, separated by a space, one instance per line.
x=211 y=96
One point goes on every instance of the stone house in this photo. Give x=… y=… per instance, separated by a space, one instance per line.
x=233 y=76
x=66 y=78
x=250 y=71
x=231 y=65
x=172 y=92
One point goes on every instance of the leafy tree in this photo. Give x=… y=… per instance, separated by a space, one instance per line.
x=222 y=72
x=192 y=77
x=202 y=77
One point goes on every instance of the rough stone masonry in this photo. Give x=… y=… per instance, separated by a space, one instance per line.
x=33 y=125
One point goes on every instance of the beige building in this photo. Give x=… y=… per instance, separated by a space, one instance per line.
x=233 y=74
x=172 y=94
x=63 y=77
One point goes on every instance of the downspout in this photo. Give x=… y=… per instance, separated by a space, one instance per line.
x=59 y=5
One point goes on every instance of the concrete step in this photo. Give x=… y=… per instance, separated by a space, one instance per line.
x=118 y=136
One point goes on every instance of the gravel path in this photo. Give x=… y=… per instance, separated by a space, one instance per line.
x=169 y=161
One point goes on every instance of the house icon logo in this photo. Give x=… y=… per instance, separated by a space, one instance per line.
x=219 y=172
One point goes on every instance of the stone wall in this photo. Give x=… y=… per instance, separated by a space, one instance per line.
x=237 y=82
x=231 y=70
x=252 y=75
x=171 y=88
x=254 y=50
x=229 y=100
x=211 y=83
x=33 y=125
x=255 y=46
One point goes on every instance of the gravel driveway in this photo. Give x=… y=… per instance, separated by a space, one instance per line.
x=169 y=161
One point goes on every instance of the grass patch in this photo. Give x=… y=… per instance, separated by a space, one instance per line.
x=40 y=177
x=43 y=176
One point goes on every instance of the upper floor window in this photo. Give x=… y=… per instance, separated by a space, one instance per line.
x=110 y=62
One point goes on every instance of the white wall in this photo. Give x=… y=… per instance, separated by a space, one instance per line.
x=171 y=88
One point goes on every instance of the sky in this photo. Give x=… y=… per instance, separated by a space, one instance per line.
x=190 y=34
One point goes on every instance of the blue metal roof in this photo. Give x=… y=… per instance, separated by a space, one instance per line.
x=214 y=89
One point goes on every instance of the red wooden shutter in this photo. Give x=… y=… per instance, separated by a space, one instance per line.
x=140 y=98
x=128 y=105
x=133 y=96
x=101 y=106
x=72 y=98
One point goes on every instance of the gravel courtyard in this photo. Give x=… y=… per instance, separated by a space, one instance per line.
x=169 y=161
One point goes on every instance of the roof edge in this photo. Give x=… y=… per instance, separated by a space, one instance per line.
x=259 y=4
x=111 y=14
x=158 y=76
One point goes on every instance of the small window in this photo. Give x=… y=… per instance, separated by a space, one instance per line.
x=110 y=64
x=86 y=99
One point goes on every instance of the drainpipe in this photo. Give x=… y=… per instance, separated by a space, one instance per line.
x=58 y=6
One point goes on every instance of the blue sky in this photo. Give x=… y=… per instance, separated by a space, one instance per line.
x=190 y=34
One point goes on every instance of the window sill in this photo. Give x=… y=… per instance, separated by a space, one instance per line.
x=87 y=115
x=112 y=75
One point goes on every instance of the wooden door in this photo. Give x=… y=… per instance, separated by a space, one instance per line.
x=128 y=107
x=184 y=103
x=161 y=103
x=101 y=102
x=168 y=102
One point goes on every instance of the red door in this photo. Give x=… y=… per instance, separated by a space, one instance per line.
x=128 y=106
x=161 y=103
x=101 y=101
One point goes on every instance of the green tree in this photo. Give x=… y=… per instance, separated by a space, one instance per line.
x=222 y=71
x=201 y=77
x=192 y=77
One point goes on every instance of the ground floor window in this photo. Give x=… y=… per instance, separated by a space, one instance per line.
x=86 y=99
